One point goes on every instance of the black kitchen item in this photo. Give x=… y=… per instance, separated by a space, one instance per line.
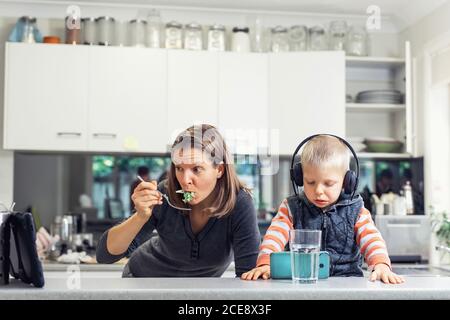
x=22 y=261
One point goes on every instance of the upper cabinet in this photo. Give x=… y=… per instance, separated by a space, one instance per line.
x=192 y=90
x=46 y=97
x=127 y=99
x=243 y=101
x=307 y=96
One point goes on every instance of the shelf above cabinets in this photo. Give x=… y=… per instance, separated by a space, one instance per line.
x=374 y=107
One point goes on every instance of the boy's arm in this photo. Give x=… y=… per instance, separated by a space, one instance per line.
x=369 y=239
x=277 y=235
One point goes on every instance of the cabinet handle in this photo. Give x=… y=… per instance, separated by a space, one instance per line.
x=78 y=134
x=105 y=135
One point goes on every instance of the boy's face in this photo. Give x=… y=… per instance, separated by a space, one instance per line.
x=322 y=185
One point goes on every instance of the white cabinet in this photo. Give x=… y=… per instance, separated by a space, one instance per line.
x=192 y=90
x=127 y=99
x=46 y=95
x=243 y=101
x=307 y=96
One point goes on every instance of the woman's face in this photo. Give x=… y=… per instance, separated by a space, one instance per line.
x=196 y=173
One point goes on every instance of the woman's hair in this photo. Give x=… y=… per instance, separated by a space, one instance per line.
x=326 y=151
x=207 y=139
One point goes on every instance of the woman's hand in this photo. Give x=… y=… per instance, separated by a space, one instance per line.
x=145 y=196
x=254 y=274
x=382 y=272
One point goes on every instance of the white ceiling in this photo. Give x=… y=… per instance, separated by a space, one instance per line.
x=406 y=12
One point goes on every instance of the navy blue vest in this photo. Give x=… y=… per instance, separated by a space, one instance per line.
x=337 y=224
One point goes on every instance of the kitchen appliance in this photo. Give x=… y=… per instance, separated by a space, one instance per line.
x=407 y=237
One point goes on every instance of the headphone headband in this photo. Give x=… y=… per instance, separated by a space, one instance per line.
x=294 y=185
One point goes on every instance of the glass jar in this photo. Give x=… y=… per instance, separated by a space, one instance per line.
x=137 y=32
x=88 y=30
x=240 y=41
x=216 y=38
x=28 y=28
x=280 y=41
x=73 y=29
x=193 y=39
x=298 y=38
x=317 y=39
x=154 y=29
x=338 y=34
x=257 y=35
x=357 y=41
x=173 y=35
x=105 y=27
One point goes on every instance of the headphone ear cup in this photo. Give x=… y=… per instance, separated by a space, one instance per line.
x=298 y=174
x=349 y=182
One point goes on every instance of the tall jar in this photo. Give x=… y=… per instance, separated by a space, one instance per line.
x=88 y=30
x=105 y=27
x=357 y=42
x=121 y=33
x=338 y=35
x=73 y=29
x=298 y=38
x=317 y=39
x=193 y=38
x=154 y=29
x=240 y=41
x=280 y=42
x=174 y=35
x=216 y=38
x=137 y=32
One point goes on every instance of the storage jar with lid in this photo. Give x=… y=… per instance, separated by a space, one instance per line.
x=88 y=28
x=357 y=41
x=279 y=39
x=173 y=35
x=337 y=34
x=154 y=29
x=240 y=41
x=317 y=39
x=193 y=38
x=105 y=27
x=216 y=38
x=298 y=38
x=137 y=32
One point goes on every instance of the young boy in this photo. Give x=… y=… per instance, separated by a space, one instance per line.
x=347 y=228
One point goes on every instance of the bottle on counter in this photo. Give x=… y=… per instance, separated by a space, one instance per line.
x=407 y=189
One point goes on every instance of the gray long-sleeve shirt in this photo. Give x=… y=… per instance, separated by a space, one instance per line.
x=177 y=252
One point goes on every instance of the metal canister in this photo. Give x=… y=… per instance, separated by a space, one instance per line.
x=105 y=26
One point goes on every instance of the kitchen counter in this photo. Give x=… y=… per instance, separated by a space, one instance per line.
x=110 y=285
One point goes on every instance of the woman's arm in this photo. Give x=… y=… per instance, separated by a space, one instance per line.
x=117 y=241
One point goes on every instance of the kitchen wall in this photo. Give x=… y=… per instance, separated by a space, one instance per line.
x=432 y=107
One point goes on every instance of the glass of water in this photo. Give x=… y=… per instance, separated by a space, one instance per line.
x=305 y=248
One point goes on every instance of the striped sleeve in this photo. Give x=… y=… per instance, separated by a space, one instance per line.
x=277 y=234
x=370 y=242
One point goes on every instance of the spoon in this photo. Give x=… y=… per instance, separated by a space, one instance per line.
x=167 y=198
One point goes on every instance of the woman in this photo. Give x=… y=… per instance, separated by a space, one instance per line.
x=197 y=243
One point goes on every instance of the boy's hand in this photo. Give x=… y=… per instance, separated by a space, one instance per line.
x=382 y=272
x=254 y=274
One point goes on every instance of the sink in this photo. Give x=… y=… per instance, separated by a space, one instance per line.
x=421 y=271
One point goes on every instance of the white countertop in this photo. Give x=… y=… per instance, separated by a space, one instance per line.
x=110 y=285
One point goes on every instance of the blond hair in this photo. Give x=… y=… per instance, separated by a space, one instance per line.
x=326 y=151
x=209 y=140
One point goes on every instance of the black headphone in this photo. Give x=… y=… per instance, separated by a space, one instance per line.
x=351 y=178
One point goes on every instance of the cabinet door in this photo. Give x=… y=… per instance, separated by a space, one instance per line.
x=127 y=105
x=244 y=101
x=45 y=97
x=192 y=90
x=307 y=96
